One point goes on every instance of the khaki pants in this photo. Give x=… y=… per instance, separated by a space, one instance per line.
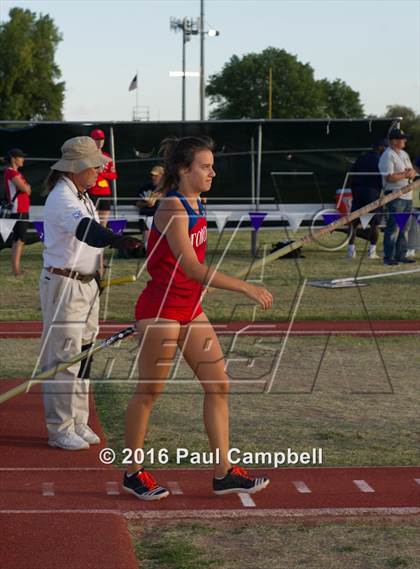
x=70 y=312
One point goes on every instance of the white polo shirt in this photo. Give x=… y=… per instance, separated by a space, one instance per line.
x=395 y=161
x=64 y=208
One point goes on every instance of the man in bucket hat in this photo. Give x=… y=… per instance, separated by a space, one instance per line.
x=73 y=240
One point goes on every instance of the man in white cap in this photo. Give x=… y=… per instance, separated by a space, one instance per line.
x=73 y=240
x=397 y=172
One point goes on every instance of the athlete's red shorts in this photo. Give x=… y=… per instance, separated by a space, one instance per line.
x=181 y=309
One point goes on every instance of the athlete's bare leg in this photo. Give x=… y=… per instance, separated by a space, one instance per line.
x=17 y=249
x=201 y=350
x=158 y=345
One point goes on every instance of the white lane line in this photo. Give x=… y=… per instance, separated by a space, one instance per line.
x=215 y=514
x=48 y=489
x=301 y=487
x=246 y=500
x=112 y=488
x=417 y=481
x=363 y=486
x=174 y=487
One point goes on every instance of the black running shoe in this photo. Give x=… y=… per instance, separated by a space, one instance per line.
x=238 y=480
x=144 y=486
x=406 y=260
x=390 y=262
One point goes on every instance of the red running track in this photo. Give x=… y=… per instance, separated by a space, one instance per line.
x=66 y=509
x=33 y=329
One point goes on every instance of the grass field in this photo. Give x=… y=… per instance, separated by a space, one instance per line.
x=388 y=298
x=359 y=411
x=258 y=544
x=354 y=397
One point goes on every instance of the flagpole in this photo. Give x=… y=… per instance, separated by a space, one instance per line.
x=137 y=90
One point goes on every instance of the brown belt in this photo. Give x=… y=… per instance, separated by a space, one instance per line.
x=71 y=274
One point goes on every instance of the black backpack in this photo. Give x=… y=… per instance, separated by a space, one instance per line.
x=292 y=255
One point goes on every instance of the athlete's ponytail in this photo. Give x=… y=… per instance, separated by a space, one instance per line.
x=180 y=153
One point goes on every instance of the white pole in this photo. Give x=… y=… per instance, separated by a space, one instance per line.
x=254 y=236
x=378 y=276
x=202 y=78
x=137 y=90
x=113 y=182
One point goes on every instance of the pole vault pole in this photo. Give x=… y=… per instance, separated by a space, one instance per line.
x=314 y=235
x=61 y=366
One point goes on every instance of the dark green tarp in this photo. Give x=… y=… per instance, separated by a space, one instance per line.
x=324 y=147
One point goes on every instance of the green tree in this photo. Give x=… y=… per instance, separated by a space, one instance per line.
x=408 y=114
x=241 y=88
x=29 y=89
x=410 y=124
x=340 y=100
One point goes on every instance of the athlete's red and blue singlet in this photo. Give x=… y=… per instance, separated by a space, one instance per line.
x=170 y=293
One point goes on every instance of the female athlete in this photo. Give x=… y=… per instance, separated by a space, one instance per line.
x=169 y=315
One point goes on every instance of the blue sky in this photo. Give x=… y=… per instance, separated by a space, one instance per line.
x=374 y=46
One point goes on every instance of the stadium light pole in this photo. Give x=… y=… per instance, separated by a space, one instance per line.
x=202 y=82
x=211 y=33
x=189 y=28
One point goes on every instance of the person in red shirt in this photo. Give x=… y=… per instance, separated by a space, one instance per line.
x=17 y=192
x=101 y=193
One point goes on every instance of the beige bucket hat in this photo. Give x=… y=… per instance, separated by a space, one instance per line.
x=79 y=153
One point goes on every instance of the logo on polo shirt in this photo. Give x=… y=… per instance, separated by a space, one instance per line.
x=77 y=213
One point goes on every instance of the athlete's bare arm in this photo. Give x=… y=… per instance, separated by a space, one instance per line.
x=21 y=185
x=172 y=220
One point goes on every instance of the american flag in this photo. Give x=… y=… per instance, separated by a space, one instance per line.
x=133 y=84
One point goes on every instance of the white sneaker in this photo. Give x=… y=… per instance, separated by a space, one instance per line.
x=69 y=441
x=411 y=253
x=373 y=255
x=351 y=251
x=87 y=434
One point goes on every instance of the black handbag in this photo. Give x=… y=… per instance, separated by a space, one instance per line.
x=6 y=207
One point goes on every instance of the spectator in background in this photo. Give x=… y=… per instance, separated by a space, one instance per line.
x=366 y=186
x=417 y=166
x=148 y=201
x=101 y=193
x=413 y=239
x=397 y=172
x=17 y=192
